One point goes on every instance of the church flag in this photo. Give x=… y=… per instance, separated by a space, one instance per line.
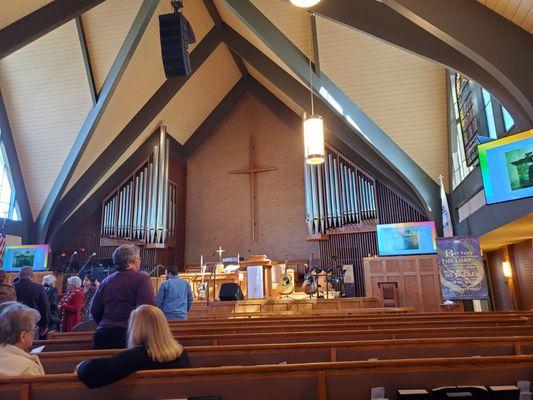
x=447 y=227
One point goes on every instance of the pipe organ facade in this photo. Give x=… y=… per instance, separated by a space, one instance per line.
x=143 y=208
x=338 y=195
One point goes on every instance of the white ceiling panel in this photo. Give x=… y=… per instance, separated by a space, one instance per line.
x=240 y=27
x=519 y=12
x=292 y=21
x=106 y=27
x=404 y=94
x=47 y=99
x=13 y=10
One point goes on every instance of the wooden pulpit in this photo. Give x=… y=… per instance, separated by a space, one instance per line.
x=258 y=279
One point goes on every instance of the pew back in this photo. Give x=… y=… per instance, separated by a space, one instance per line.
x=320 y=381
x=326 y=335
x=210 y=356
x=313 y=326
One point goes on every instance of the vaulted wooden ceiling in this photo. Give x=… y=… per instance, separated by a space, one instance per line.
x=47 y=90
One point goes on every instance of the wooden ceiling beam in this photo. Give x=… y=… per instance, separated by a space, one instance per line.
x=462 y=35
x=486 y=38
x=133 y=129
x=40 y=22
x=122 y=59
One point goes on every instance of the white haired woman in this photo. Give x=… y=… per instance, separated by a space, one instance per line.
x=150 y=346
x=71 y=304
x=17 y=331
x=49 y=284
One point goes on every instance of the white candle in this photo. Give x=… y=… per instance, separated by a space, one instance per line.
x=202 y=260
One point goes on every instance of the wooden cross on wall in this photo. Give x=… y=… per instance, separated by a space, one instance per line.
x=252 y=170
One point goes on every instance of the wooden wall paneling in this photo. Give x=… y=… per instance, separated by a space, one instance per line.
x=417 y=278
x=522 y=258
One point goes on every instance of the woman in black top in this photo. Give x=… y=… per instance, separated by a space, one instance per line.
x=150 y=346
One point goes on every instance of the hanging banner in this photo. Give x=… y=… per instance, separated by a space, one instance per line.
x=462 y=275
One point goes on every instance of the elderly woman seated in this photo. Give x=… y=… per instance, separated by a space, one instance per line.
x=17 y=331
x=150 y=346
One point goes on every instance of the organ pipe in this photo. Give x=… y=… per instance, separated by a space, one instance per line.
x=337 y=194
x=144 y=207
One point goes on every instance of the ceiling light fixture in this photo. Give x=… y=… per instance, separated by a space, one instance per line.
x=304 y=3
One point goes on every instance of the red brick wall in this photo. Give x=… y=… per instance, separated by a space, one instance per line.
x=521 y=256
x=218 y=204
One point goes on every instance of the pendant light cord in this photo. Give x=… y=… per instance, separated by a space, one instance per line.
x=310 y=66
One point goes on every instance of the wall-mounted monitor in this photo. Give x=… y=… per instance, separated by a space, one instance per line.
x=507 y=167
x=16 y=257
x=407 y=238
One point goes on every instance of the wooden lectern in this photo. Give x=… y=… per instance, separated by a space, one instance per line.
x=258 y=278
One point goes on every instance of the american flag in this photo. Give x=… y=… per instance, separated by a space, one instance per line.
x=3 y=235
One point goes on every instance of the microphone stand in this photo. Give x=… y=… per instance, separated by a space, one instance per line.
x=86 y=263
x=209 y=281
x=70 y=262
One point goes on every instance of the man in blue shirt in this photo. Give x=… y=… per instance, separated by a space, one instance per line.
x=174 y=297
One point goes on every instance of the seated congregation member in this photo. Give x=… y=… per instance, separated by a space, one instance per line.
x=7 y=292
x=150 y=346
x=49 y=284
x=175 y=295
x=89 y=289
x=71 y=304
x=17 y=332
x=117 y=296
x=34 y=296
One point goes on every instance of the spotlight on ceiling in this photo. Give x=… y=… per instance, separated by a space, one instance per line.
x=176 y=34
x=304 y=3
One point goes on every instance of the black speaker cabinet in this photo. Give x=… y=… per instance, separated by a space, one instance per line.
x=230 y=292
x=173 y=30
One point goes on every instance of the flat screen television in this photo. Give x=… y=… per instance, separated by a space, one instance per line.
x=16 y=257
x=507 y=167
x=407 y=238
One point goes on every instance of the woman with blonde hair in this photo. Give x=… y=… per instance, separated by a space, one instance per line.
x=150 y=346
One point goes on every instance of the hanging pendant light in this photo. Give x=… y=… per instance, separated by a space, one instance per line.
x=304 y=3
x=313 y=126
x=314 y=139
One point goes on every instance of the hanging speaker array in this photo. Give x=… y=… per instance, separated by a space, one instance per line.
x=176 y=34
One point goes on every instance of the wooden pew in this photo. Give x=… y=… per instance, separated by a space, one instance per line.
x=210 y=356
x=187 y=329
x=325 y=335
x=313 y=381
